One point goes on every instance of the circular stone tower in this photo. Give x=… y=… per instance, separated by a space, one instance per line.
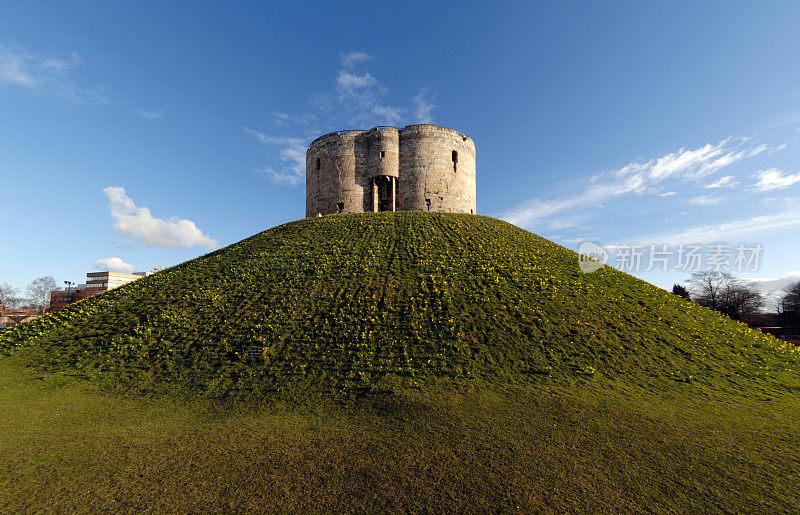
x=417 y=168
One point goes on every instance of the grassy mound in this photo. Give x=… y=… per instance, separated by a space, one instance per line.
x=382 y=300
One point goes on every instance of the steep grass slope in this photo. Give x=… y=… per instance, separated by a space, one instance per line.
x=381 y=300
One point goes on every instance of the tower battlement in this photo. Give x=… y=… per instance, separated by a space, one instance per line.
x=417 y=168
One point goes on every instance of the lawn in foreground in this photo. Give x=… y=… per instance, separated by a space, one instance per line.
x=66 y=443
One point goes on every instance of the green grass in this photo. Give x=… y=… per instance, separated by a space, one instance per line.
x=384 y=301
x=67 y=444
x=414 y=362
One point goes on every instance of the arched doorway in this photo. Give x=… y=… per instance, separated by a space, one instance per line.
x=384 y=193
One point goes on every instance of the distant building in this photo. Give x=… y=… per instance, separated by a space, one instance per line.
x=96 y=282
x=110 y=280
x=16 y=316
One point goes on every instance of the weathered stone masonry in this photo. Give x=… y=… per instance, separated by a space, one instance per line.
x=417 y=168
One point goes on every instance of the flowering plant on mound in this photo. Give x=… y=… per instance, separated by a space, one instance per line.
x=351 y=300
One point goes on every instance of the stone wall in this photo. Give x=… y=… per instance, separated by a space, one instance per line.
x=422 y=167
x=332 y=184
x=428 y=172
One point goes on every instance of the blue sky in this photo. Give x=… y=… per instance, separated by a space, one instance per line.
x=135 y=134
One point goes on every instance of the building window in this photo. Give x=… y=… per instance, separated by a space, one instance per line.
x=428 y=203
x=318 y=164
x=340 y=206
x=383 y=154
x=454 y=156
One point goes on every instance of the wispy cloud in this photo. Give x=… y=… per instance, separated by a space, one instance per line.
x=149 y=115
x=705 y=200
x=774 y=179
x=729 y=181
x=356 y=100
x=304 y=121
x=140 y=224
x=362 y=97
x=424 y=106
x=757 y=226
x=47 y=74
x=787 y=118
x=113 y=264
x=292 y=152
x=351 y=59
x=636 y=178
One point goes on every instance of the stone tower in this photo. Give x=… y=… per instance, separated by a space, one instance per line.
x=417 y=168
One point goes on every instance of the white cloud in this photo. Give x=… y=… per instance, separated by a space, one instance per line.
x=362 y=98
x=727 y=231
x=579 y=240
x=348 y=82
x=357 y=100
x=13 y=69
x=113 y=264
x=149 y=115
x=792 y=277
x=774 y=179
x=292 y=152
x=666 y=194
x=389 y=115
x=281 y=118
x=637 y=178
x=683 y=160
x=773 y=289
x=139 y=223
x=351 y=59
x=705 y=200
x=729 y=181
x=43 y=74
x=788 y=118
x=423 y=106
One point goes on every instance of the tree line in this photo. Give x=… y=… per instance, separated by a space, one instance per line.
x=741 y=300
x=37 y=295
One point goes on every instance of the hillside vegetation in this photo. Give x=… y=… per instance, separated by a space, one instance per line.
x=384 y=301
x=413 y=362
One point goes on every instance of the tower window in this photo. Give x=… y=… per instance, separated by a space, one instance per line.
x=428 y=203
x=383 y=154
x=340 y=206
x=318 y=163
x=454 y=156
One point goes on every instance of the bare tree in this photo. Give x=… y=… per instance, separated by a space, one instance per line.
x=39 y=291
x=8 y=296
x=708 y=286
x=724 y=292
x=742 y=300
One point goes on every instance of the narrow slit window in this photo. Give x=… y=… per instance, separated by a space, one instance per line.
x=383 y=154
x=428 y=203
x=454 y=156
x=318 y=164
x=340 y=206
